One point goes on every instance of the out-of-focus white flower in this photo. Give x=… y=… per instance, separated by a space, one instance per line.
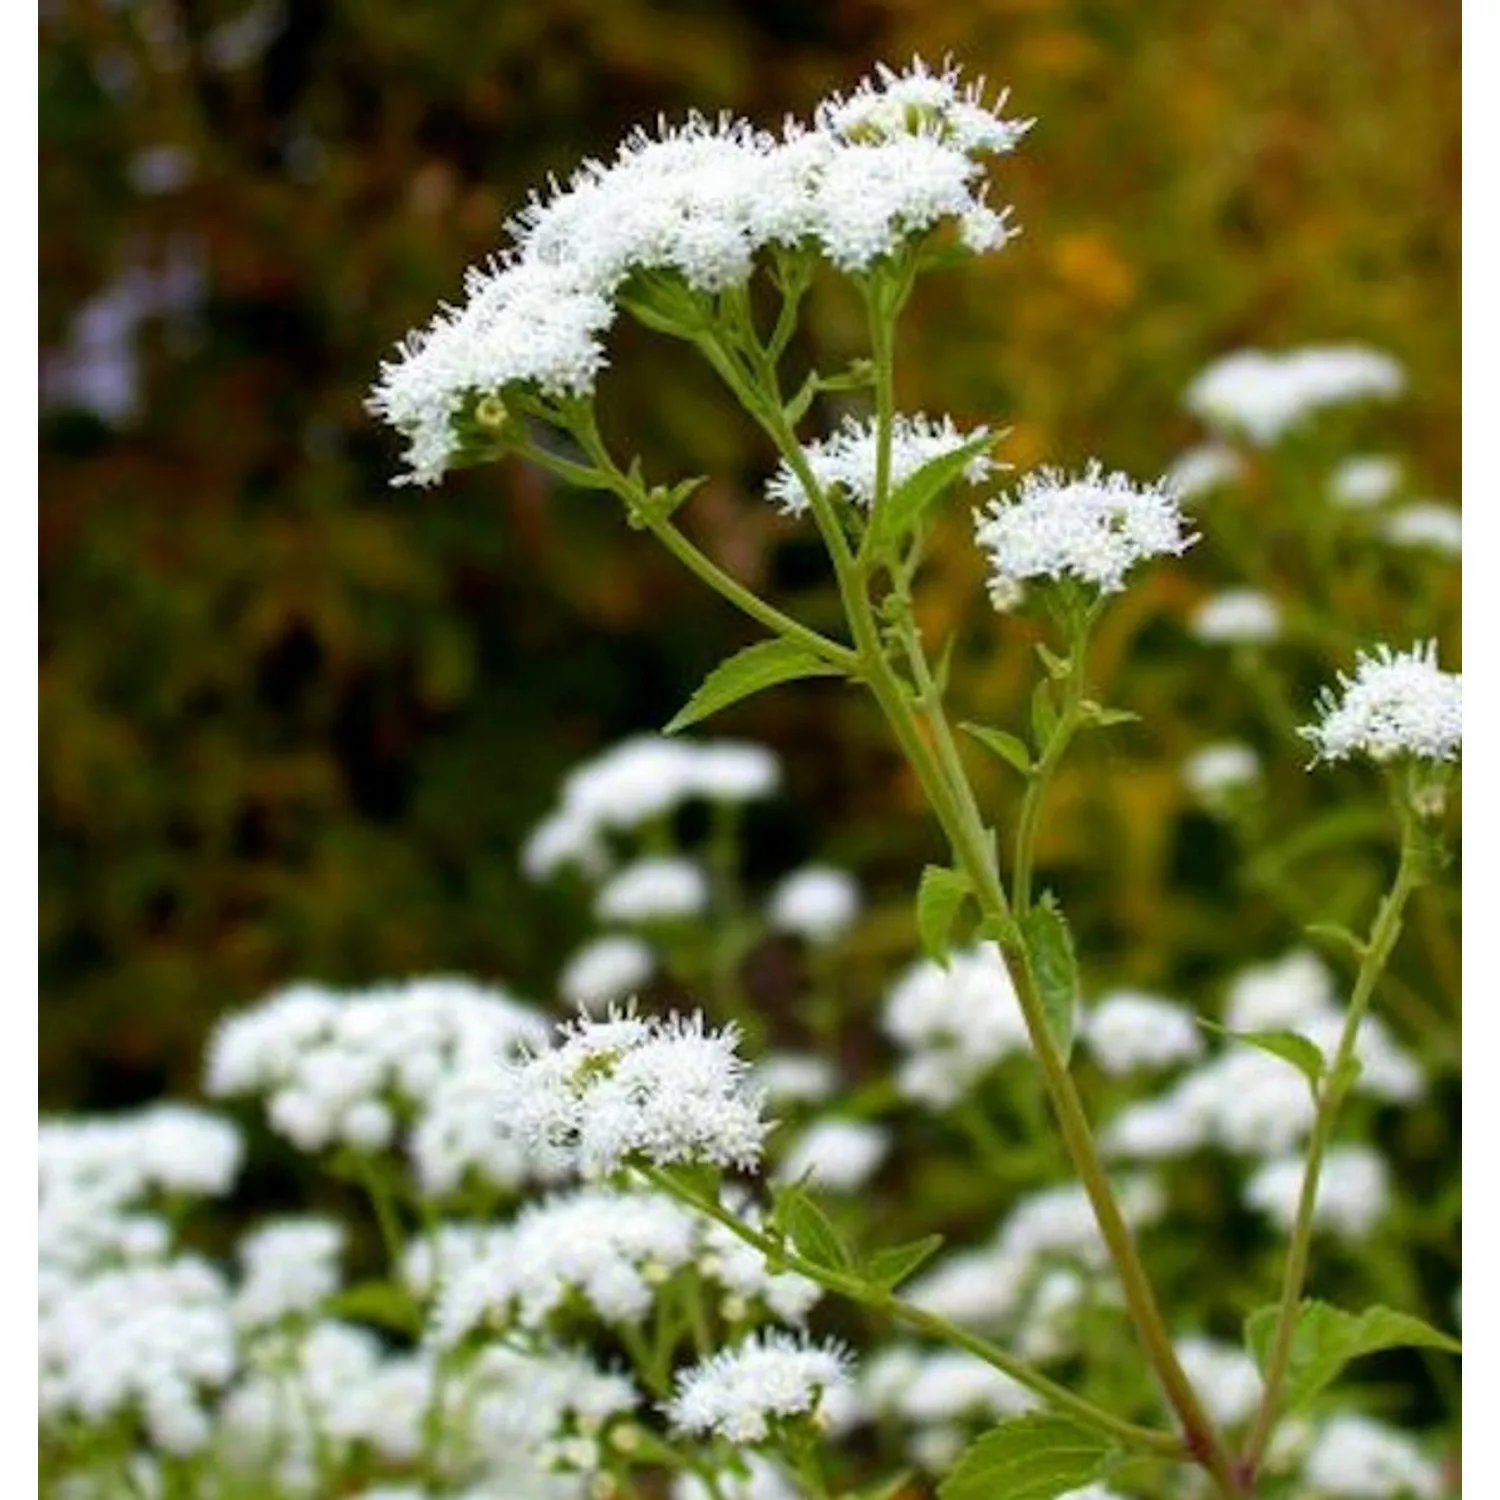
x=1354 y=1191
x=291 y=1265
x=764 y=1481
x=1201 y=470
x=1216 y=772
x=1225 y=1377
x=738 y=1391
x=795 y=1077
x=1093 y=527
x=1059 y=1221
x=731 y=771
x=605 y=971
x=847 y=460
x=1366 y=480
x=923 y=1387
x=817 y=902
x=666 y=1090
x=658 y=888
x=953 y=1024
x=1364 y=1460
x=836 y=1154
x=1237 y=617
x=1264 y=395
x=1396 y=704
x=1284 y=994
x=977 y=1288
x=1127 y=1030
x=1428 y=524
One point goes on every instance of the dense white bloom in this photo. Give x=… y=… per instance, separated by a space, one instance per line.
x=1427 y=524
x=1354 y=1191
x=1264 y=395
x=291 y=1265
x=342 y=1068
x=923 y=1386
x=1395 y=704
x=1218 y=771
x=731 y=771
x=847 y=460
x=1366 y=480
x=605 y=971
x=954 y=1024
x=1237 y=617
x=668 y=1090
x=609 y=1249
x=743 y=1272
x=1225 y=1377
x=1127 y=1030
x=1285 y=994
x=657 y=888
x=795 y=1077
x=736 y=1393
x=817 y=902
x=977 y=1288
x=1201 y=470
x=836 y=1154
x=1365 y=1460
x=560 y=840
x=1093 y=527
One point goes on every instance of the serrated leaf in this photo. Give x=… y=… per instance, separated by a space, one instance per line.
x=811 y=1231
x=940 y=894
x=750 y=671
x=1043 y=714
x=889 y=1268
x=382 y=1303
x=1009 y=747
x=1290 y=1046
x=905 y=505
x=1054 y=966
x=1325 y=1339
x=1036 y=1457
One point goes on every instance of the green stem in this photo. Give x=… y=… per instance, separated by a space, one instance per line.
x=384 y=1204
x=1336 y=1083
x=878 y=1299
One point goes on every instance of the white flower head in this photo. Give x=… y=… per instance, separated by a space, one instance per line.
x=740 y=1391
x=1128 y=1030
x=1364 y=481
x=1362 y=1459
x=1217 y=772
x=1354 y=1191
x=1225 y=1377
x=1202 y=470
x=817 y=902
x=1265 y=395
x=1427 y=525
x=836 y=1154
x=656 y=888
x=1240 y=617
x=847 y=460
x=1093 y=527
x=605 y=971
x=666 y=1090
x=1396 y=704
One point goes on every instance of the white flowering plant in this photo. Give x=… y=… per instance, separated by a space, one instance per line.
x=632 y=1252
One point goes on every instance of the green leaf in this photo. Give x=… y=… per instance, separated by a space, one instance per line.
x=1057 y=666
x=1290 y=1046
x=889 y=1268
x=939 y=896
x=1338 y=935
x=905 y=505
x=1043 y=714
x=759 y=666
x=696 y=1179
x=1009 y=747
x=382 y=1303
x=1096 y=716
x=1325 y=1339
x=811 y=1231
x=1036 y=1457
x=1054 y=966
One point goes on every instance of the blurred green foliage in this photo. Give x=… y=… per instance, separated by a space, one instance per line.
x=295 y=722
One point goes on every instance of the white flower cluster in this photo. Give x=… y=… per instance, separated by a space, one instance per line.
x=1355 y=1457
x=696 y=203
x=666 y=1090
x=1093 y=527
x=954 y=1024
x=795 y=1077
x=1397 y=703
x=1202 y=470
x=1428 y=525
x=290 y=1266
x=1364 y=480
x=817 y=903
x=1354 y=1191
x=1225 y=1377
x=604 y=971
x=1237 y=617
x=847 y=460
x=836 y=1154
x=350 y=1068
x=1264 y=395
x=738 y=1392
x=655 y=888
x=1216 y=772
x=1128 y=1030
x=637 y=782
x=1248 y=1102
